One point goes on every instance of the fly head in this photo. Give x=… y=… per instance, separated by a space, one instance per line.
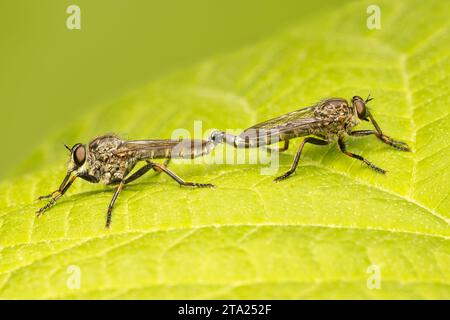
x=77 y=156
x=360 y=106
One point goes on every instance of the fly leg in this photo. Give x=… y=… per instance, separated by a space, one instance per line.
x=180 y=181
x=113 y=201
x=294 y=165
x=59 y=190
x=285 y=147
x=140 y=172
x=150 y=165
x=144 y=170
x=399 y=145
x=165 y=164
x=343 y=149
x=280 y=149
x=122 y=184
x=56 y=194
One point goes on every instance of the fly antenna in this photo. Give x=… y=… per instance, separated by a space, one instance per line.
x=369 y=98
x=67 y=147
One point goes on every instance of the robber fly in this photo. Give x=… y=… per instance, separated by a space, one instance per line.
x=109 y=160
x=329 y=120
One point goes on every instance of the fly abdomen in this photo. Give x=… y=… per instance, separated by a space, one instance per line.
x=190 y=148
x=254 y=138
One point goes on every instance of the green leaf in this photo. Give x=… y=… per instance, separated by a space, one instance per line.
x=315 y=235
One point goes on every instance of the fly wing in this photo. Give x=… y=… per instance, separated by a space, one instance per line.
x=164 y=148
x=298 y=121
x=134 y=147
x=305 y=121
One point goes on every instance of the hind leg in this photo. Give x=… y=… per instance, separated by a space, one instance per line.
x=294 y=165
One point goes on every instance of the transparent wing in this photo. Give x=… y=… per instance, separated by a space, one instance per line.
x=299 y=121
x=296 y=123
x=137 y=145
x=150 y=144
x=152 y=149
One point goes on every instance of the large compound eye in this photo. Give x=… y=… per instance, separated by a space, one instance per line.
x=360 y=107
x=79 y=155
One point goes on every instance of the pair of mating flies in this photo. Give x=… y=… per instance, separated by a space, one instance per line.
x=110 y=160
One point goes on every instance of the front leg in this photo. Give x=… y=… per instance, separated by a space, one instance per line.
x=399 y=145
x=59 y=190
x=56 y=194
x=380 y=135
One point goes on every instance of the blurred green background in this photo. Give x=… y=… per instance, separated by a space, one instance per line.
x=51 y=75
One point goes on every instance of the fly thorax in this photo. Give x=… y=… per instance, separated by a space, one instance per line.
x=353 y=121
